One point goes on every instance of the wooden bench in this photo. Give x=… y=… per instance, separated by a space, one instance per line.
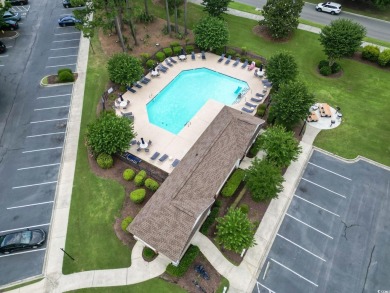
x=312 y=117
x=325 y=110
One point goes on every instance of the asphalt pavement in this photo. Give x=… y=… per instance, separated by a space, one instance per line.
x=33 y=122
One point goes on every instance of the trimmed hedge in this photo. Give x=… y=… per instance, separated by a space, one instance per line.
x=323 y=63
x=190 y=255
x=384 y=58
x=65 y=76
x=138 y=195
x=261 y=110
x=150 y=63
x=189 y=49
x=64 y=70
x=244 y=208
x=151 y=184
x=144 y=57
x=335 y=67
x=176 y=50
x=211 y=217
x=140 y=178
x=326 y=70
x=148 y=254
x=174 y=44
x=233 y=182
x=128 y=174
x=168 y=51
x=371 y=53
x=105 y=161
x=160 y=56
x=125 y=223
x=256 y=146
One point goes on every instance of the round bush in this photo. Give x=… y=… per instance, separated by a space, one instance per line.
x=326 y=70
x=65 y=76
x=144 y=57
x=371 y=53
x=150 y=63
x=323 y=63
x=160 y=56
x=151 y=184
x=138 y=195
x=105 y=161
x=176 y=50
x=128 y=174
x=125 y=223
x=64 y=70
x=244 y=208
x=148 y=253
x=261 y=110
x=384 y=58
x=140 y=178
x=335 y=67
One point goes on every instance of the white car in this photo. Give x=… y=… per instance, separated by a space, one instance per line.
x=330 y=7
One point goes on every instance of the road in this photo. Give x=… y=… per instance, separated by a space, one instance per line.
x=33 y=123
x=376 y=29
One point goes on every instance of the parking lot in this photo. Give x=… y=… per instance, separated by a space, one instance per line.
x=33 y=128
x=334 y=236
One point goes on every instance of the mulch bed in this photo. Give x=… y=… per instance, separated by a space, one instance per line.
x=263 y=32
x=53 y=79
x=7 y=34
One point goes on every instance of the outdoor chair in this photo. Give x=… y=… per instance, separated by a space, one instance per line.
x=203 y=55
x=236 y=62
x=256 y=100
x=162 y=68
x=168 y=63
x=172 y=60
x=144 y=78
x=146 y=150
x=133 y=142
x=250 y=105
x=155 y=156
x=247 y=110
x=259 y=95
x=193 y=55
x=138 y=142
x=149 y=142
x=138 y=149
x=221 y=58
x=130 y=89
x=175 y=163
x=245 y=64
x=163 y=158
x=228 y=60
x=136 y=84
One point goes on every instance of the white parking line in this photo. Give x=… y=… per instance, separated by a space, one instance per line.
x=302 y=277
x=62 y=56
x=11 y=254
x=4 y=56
x=50 y=108
x=30 y=205
x=64 y=48
x=66 y=33
x=61 y=65
x=36 y=184
x=316 y=205
x=66 y=40
x=1 y=65
x=24 y=228
x=39 y=166
x=45 y=134
x=309 y=226
x=56 y=96
x=324 y=188
x=269 y=290
x=41 y=150
x=330 y=171
x=300 y=247
x=42 y=121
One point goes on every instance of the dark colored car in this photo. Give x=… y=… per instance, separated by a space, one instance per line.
x=67 y=4
x=18 y=2
x=68 y=20
x=22 y=240
x=9 y=15
x=3 y=48
x=9 y=25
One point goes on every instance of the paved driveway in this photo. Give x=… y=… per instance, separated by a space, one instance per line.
x=334 y=237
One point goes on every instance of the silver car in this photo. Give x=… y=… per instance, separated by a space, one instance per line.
x=330 y=7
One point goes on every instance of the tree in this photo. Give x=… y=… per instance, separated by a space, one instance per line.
x=291 y=103
x=281 y=17
x=264 y=180
x=211 y=32
x=124 y=69
x=235 y=231
x=109 y=134
x=281 y=68
x=342 y=38
x=280 y=145
x=168 y=20
x=215 y=7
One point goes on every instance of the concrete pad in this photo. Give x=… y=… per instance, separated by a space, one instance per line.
x=104 y=278
x=76 y=281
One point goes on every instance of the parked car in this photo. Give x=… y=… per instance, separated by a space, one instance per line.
x=3 y=48
x=9 y=15
x=9 y=25
x=22 y=240
x=18 y=2
x=67 y=4
x=330 y=7
x=68 y=20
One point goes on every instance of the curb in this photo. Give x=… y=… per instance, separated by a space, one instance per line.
x=11 y=38
x=53 y=85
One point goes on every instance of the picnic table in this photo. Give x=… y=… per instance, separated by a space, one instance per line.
x=312 y=117
x=325 y=110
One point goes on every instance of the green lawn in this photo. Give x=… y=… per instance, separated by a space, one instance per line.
x=244 y=7
x=153 y=285
x=95 y=202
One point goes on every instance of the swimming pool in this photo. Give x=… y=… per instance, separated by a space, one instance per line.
x=183 y=97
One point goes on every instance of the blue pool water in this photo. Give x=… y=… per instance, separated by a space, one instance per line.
x=183 y=97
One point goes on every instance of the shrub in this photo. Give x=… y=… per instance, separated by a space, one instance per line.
x=231 y=52
x=105 y=161
x=174 y=44
x=326 y=70
x=258 y=62
x=233 y=182
x=384 y=58
x=256 y=146
x=160 y=56
x=65 y=76
x=150 y=63
x=167 y=51
x=140 y=178
x=144 y=57
x=190 y=255
x=244 y=50
x=189 y=48
x=211 y=217
x=63 y=70
x=176 y=50
x=371 y=53
x=244 y=208
x=148 y=253
x=323 y=63
x=271 y=116
x=261 y=110
x=151 y=184
x=122 y=88
x=219 y=51
x=126 y=222
x=335 y=67
x=128 y=174
x=138 y=195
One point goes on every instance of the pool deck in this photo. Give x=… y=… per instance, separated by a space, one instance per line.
x=165 y=142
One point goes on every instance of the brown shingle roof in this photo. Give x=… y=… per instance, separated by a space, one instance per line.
x=167 y=220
